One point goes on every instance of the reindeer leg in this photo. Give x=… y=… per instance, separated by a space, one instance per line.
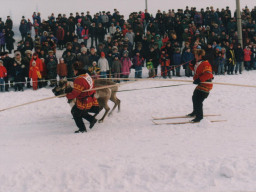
x=117 y=103
x=106 y=107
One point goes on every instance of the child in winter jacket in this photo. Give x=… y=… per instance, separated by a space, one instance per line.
x=138 y=62
x=44 y=73
x=52 y=71
x=247 y=57
x=186 y=58
x=220 y=62
x=126 y=65
x=165 y=64
x=94 y=70
x=253 y=56
x=35 y=74
x=177 y=61
x=103 y=64
x=116 y=68
x=239 y=55
x=3 y=74
x=150 y=67
x=62 y=70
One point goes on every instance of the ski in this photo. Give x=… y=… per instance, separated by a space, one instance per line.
x=184 y=116
x=184 y=122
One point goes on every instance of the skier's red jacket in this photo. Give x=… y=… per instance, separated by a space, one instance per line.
x=84 y=100
x=203 y=71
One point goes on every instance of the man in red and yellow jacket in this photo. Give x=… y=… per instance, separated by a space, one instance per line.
x=85 y=101
x=203 y=73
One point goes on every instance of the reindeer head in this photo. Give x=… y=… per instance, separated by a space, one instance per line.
x=62 y=87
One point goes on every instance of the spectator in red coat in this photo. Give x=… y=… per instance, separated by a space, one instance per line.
x=38 y=64
x=247 y=57
x=3 y=74
x=37 y=60
x=44 y=73
x=62 y=70
x=85 y=35
x=35 y=74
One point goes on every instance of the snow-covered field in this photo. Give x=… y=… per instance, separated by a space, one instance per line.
x=40 y=152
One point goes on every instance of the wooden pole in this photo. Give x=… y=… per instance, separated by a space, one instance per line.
x=53 y=97
x=33 y=102
x=182 y=80
x=239 y=26
x=131 y=79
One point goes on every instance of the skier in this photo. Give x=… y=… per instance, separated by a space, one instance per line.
x=203 y=73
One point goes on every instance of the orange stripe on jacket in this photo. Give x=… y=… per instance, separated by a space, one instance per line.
x=203 y=71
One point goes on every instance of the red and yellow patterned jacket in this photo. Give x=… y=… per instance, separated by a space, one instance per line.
x=84 y=100
x=203 y=71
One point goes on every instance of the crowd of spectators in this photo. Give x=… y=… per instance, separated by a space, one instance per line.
x=107 y=45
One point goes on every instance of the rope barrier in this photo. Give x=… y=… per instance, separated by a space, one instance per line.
x=152 y=88
x=182 y=80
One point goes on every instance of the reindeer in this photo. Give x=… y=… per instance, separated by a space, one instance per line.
x=102 y=95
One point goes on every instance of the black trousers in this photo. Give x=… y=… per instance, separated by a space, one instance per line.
x=198 y=99
x=79 y=114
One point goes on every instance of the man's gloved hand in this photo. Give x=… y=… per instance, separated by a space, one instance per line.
x=196 y=81
x=193 y=62
x=69 y=90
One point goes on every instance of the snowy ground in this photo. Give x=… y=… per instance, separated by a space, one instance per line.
x=40 y=152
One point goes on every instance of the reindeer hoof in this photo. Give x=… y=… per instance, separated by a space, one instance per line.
x=100 y=121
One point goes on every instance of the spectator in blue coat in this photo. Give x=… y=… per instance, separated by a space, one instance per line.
x=23 y=29
x=186 y=58
x=177 y=61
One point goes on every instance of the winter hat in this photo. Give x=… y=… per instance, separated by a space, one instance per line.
x=69 y=44
x=116 y=55
x=83 y=49
x=125 y=52
x=137 y=51
x=102 y=54
x=28 y=51
x=114 y=47
x=17 y=53
x=34 y=54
